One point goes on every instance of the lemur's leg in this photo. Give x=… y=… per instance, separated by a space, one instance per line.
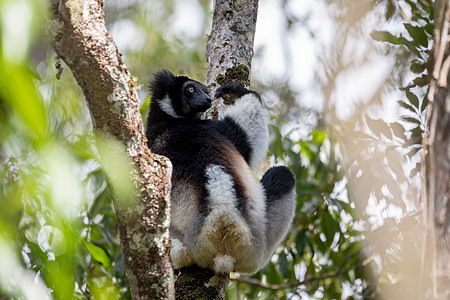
x=244 y=124
x=181 y=256
x=279 y=185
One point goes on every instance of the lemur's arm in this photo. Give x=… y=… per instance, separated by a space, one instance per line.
x=244 y=124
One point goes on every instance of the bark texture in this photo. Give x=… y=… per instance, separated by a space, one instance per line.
x=82 y=41
x=229 y=52
x=229 y=49
x=436 y=167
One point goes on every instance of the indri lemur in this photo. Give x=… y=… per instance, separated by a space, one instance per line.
x=223 y=218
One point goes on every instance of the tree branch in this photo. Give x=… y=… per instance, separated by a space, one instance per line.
x=293 y=284
x=82 y=41
x=229 y=49
x=435 y=166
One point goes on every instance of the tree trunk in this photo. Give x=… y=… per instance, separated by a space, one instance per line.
x=229 y=52
x=229 y=49
x=436 y=167
x=82 y=41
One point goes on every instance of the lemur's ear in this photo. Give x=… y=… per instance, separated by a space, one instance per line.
x=161 y=81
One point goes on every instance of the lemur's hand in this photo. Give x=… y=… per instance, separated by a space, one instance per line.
x=236 y=89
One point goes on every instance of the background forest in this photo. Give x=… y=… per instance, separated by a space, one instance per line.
x=344 y=85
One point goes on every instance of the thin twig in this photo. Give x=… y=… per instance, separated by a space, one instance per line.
x=293 y=284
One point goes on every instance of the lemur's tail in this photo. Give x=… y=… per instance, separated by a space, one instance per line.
x=279 y=185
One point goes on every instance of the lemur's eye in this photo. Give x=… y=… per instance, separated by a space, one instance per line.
x=191 y=89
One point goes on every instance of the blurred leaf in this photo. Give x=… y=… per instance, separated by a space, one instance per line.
x=398 y=129
x=103 y=288
x=98 y=253
x=30 y=107
x=390 y=10
x=413 y=152
x=329 y=227
x=283 y=264
x=273 y=277
x=301 y=240
x=318 y=136
x=101 y=204
x=306 y=150
x=415 y=170
x=379 y=127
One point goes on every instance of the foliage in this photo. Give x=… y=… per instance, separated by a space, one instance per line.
x=383 y=158
x=58 y=233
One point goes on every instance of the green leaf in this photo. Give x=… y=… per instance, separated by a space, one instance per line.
x=384 y=36
x=406 y=105
x=283 y=264
x=412 y=98
x=429 y=28
x=273 y=276
x=318 y=136
x=306 y=150
x=417 y=34
x=421 y=81
x=417 y=66
x=18 y=90
x=97 y=253
x=329 y=227
x=101 y=204
x=301 y=240
x=416 y=135
x=411 y=120
x=390 y=10
x=424 y=104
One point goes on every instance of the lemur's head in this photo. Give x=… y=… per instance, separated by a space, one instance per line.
x=179 y=96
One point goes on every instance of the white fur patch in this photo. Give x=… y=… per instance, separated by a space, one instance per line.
x=224 y=242
x=181 y=256
x=255 y=192
x=166 y=105
x=220 y=187
x=248 y=113
x=224 y=264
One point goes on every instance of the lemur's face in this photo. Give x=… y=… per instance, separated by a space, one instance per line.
x=179 y=96
x=194 y=99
